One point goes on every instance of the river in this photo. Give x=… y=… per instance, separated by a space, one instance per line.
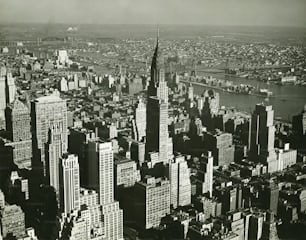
x=288 y=100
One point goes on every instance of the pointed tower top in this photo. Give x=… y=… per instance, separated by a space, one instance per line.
x=157 y=55
x=156 y=65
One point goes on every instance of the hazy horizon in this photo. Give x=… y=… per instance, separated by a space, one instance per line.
x=278 y=13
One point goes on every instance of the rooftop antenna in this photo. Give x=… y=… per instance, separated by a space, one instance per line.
x=157 y=33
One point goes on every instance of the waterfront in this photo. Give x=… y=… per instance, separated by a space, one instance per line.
x=287 y=101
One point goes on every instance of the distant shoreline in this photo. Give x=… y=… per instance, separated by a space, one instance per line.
x=154 y=25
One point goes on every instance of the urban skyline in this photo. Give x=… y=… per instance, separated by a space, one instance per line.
x=104 y=136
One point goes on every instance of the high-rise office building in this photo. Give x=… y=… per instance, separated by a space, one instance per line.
x=78 y=144
x=76 y=81
x=157 y=128
x=101 y=174
x=269 y=228
x=299 y=131
x=209 y=206
x=69 y=184
x=101 y=178
x=90 y=198
x=18 y=126
x=62 y=56
x=205 y=174
x=10 y=88
x=54 y=151
x=112 y=217
x=126 y=172
x=180 y=185
x=140 y=121
x=138 y=152
x=211 y=104
x=228 y=197
x=162 y=90
x=134 y=84
x=236 y=223
x=157 y=109
x=7 y=92
x=46 y=112
x=255 y=226
x=22 y=153
x=76 y=226
x=2 y=101
x=299 y=123
x=269 y=196
x=18 y=121
x=262 y=137
x=221 y=146
x=190 y=94
x=12 y=221
x=152 y=198
x=286 y=157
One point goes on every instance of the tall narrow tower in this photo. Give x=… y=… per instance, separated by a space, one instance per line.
x=10 y=88
x=69 y=183
x=101 y=178
x=262 y=136
x=54 y=151
x=157 y=108
x=157 y=70
x=140 y=121
x=205 y=177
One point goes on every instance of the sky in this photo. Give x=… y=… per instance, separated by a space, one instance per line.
x=198 y=12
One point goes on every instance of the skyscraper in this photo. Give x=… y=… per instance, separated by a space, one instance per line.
x=255 y=225
x=69 y=184
x=7 y=92
x=90 y=198
x=221 y=146
x=101 y=174
x=269 y=228
x=269 y=196
x=299 y=123
x=157 y=128
x=140 y=120
x=18 y=126
x=46 y=112
x=157 y=72
x=54 y=151
x=152 y=198
x=101 y=179
x=190 y=92
x=210 y=108
x=162 y=89
x=78 y=144
x=76 y=226
x=10 y=88
x=2 y=101
x=18 y=121
x=262 y=137
x=157 y=109
x=138 y=152
x=180 y=186
x=205 y=175
x=126 y=172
